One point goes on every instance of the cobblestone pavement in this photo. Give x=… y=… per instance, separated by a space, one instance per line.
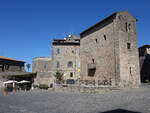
x=39 y=101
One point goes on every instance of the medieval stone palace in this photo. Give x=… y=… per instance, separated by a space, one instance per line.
x=109 y=51
x=105 y=54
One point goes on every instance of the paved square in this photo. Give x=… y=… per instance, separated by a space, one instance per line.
x=39 y=101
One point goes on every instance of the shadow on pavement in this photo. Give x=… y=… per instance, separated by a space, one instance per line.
x=120 y=111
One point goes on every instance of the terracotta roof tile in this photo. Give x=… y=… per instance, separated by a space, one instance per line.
x=6 y=58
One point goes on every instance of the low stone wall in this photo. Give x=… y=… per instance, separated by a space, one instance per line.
x=44 y=78
x=96 y=82
x=83 y=89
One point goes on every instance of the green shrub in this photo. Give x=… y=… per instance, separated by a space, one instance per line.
x=59 y=76
x=43 y=86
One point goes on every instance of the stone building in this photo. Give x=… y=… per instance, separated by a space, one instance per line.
x=43 y=67
x=11 y=69
x=144 y=54
x=9 y=64
x=109 y=52
x=66 y=57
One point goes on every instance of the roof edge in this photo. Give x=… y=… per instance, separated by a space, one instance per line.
x=112 y=15
x=10 y=59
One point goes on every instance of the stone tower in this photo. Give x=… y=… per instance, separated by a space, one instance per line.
x=43 y=67
x=144 y=53
x=109 y=52
x=66 y=57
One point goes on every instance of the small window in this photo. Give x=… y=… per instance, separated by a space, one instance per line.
x=126 y=26
x=128 y=45
x=129 y=27
x=130 y=70
x=96 y=40
x=71 y=74
x=70 y=64
x=93 y=60
x=104 y=37
x=58 y=51
x=91 y=72
x=72 y=51
x=58 y=65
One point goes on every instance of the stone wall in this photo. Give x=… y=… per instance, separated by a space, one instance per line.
x=41 y=64
x=83 y=89
x=67 y=53
x=43 y=67
x=44 y=78
x=125 y=30
x=99 y=46
x=112 y=47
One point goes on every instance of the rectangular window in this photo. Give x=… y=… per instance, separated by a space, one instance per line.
x=96 y=40
x=58 y=51
x=91 y=72
x=126 y=26
x=104 y=37
x=71 y=74
x=70 y=64
x=130 y=70
x=129 y=27
x=129 y=45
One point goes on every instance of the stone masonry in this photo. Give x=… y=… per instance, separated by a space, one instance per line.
x=66 y=57
x=109 y=52
x=43 y=67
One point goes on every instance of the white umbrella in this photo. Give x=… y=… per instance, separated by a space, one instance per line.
x=23 y=81
x=10 y=81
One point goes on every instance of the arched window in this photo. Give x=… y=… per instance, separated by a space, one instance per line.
x=104 y=37
x=70 y=64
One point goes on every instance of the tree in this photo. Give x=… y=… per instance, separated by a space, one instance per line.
x=28 y=66
x=59 y=76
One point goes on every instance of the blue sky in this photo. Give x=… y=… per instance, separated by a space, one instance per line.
x=27 y=27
